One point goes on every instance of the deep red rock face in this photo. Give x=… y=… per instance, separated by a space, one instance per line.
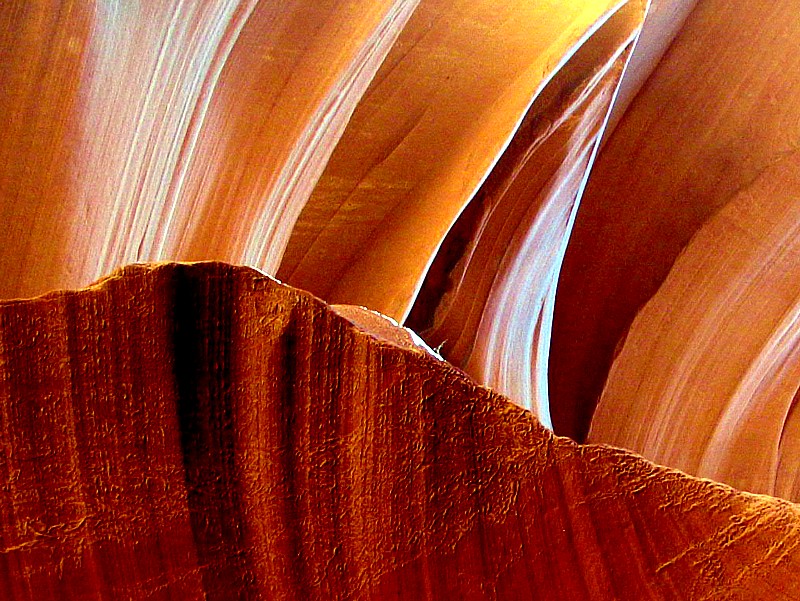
x=186 y=431
x=201 y=431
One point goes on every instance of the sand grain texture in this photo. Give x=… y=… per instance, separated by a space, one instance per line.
x=201 y=431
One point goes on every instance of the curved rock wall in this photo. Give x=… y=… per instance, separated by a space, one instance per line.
x=427 y=159
x=682 y=267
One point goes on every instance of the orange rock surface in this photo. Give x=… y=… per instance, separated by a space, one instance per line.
x=201 y=431
x=713 y=392
x=171 y=129
x=591 y=220
x=439 y=115
x=175 y=130
x=338 y=161
x=487 y=300
x=718 y=110
x=683 y=263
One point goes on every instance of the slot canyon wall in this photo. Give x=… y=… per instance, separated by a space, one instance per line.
x=588 y=208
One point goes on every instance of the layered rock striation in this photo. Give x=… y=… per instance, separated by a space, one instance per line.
x=204 y=432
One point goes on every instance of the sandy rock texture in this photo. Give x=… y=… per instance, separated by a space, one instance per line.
x=204 y=432
x=588 y=206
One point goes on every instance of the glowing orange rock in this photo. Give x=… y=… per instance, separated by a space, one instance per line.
x=691 y=212
x=634 y=216
x=488 y=296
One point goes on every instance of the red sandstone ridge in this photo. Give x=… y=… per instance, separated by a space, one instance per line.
x=201 y=431
x=585 y=216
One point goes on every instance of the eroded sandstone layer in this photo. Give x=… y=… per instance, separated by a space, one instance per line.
x=678 y=306
x=237 y=129
x=715 y=121
x=202 y=431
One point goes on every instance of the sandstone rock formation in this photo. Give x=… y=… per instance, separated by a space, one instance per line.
x=334 y=145
x=692 y=212
x=203 y=432
x=433 y=161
